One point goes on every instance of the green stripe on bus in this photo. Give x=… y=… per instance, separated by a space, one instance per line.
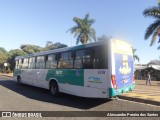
x=113 y=92
x=77 y=47
x=67 y=76
x=17 y=72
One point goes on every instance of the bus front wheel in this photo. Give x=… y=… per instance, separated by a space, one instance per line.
x=54 y=88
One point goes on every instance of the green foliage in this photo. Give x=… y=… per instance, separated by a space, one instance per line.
x=2 y=50
x=83 y=30
x=3 y=56
x=30 y=49
x=9 y=57
x=135 y=57
x=154 y=28
x=152 y=12
x=8 y=70
x=51 y=46
x=12 y=54
x=103 y=38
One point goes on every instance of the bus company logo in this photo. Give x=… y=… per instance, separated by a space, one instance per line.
x=94 y=79
x=125 y=69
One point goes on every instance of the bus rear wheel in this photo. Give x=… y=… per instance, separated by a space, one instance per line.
x=54 y=88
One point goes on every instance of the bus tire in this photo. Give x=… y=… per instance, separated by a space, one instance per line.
x=19 y=80
x=54 y=90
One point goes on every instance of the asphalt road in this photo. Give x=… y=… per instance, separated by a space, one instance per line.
x=14 y=97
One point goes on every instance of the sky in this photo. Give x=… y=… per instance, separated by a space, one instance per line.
x=38 y=21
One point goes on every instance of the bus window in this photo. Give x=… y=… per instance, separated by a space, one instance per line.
x=20 y=62
x=100 y=58
x=88 y=59
x=25 y=63
x=84 y=59
x=40 y=62
x=51 y=62
x=16 y=65
x=78 y=63
x=65 y=60
x=32 y=62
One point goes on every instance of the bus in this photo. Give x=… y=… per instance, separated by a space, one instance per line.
x=101 y=69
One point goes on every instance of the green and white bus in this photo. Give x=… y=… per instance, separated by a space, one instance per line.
x=97 y=70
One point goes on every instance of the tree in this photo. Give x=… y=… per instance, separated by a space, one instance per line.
x=135 y=57
x=154 y=28
x=3 y=56
x=103 y=38
x=51 y=46
x=12 y=54
x=30 y=49
x=83 y=30
x=49 y=43
x=25 y=49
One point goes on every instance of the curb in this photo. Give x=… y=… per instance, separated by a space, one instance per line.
x=147 y=101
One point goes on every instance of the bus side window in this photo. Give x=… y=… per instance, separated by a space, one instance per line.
x=88 y=59
x=20 y=62
x=84 y=59
x=16 y=65
x=100 y=57
x=25 y=63
x=32 y=62
x=51 y=62
x=66 y=60
x=40 y=62
x=78 y=61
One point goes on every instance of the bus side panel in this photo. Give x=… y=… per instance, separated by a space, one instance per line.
x=98 y=79
x=35 y=77
x=89 y=92
x=66 y=76
x=79 y=82
x=38 y=77
x=25 y=77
